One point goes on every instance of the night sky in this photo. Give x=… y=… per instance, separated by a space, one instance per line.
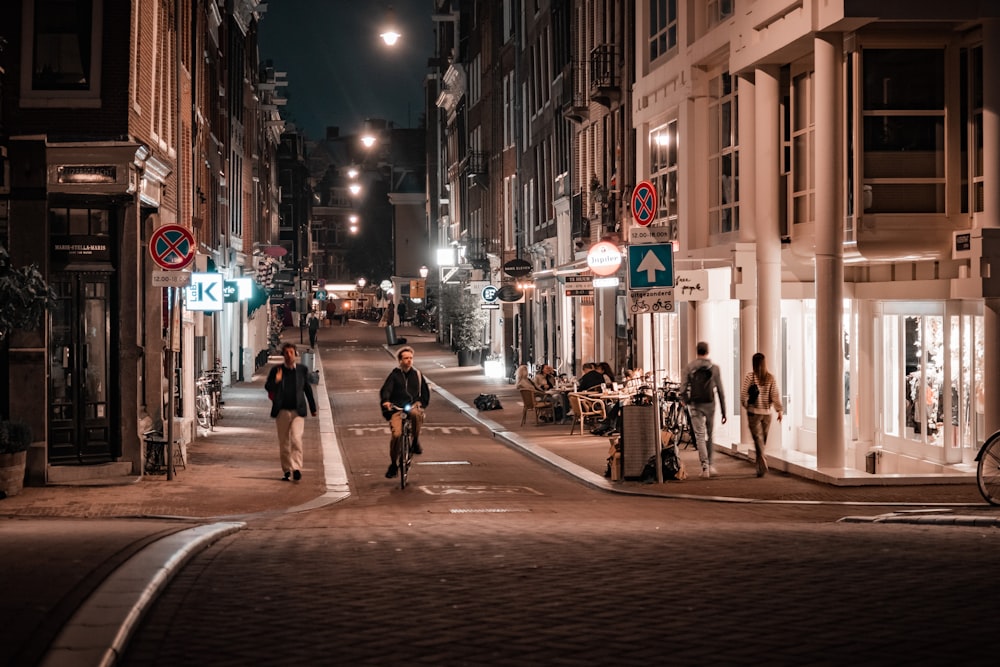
x=339 y=70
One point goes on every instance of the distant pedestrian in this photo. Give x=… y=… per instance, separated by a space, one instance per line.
x=401 y=311
x=288 y=387
x=702 y=381
x=758 y=394
x=313 y=328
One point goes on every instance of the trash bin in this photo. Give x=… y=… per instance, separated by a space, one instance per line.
x=309 y=360
x=390 y=335
x=871 y=459
x=639 y=439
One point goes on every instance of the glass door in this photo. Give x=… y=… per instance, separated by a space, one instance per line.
x=79 y=367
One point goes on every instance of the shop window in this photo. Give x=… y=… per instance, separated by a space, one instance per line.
x=65 y=221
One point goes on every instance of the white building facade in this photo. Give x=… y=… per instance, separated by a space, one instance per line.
x=830 y=173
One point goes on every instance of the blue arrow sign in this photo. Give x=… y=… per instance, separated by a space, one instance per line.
x=650 y=266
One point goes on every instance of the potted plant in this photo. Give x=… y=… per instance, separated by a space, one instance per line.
x=24 y=297
x=15 y=438
x=466 y=321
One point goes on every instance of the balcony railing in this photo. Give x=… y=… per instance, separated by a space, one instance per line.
x=605 y=75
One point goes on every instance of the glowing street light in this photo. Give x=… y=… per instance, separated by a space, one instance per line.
x=355 y=188
x=424 y=271
x=390 y=35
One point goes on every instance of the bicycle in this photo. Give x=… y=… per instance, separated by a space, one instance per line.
x=405 y=456
x=203 y=404
x=676 y=417
x=988 y=469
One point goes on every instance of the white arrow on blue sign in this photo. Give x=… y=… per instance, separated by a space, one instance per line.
x=651 y=266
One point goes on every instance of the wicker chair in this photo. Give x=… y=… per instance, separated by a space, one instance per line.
x=585 y=408
x=537 y=401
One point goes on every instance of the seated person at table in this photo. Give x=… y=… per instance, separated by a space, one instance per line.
x=591 y=378
x=545 y=378
x=521 y=379
x=609 y=375
x=523 y=382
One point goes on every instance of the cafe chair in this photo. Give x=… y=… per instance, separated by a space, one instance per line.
x=536 y=400
x=585 y=408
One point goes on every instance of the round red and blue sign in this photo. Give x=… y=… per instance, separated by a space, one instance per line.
x=644 y=203
x=172 y=247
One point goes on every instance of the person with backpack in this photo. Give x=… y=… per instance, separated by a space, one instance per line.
x=702 y=381
x=758 y=394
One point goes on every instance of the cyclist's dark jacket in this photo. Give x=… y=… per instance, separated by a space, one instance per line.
x=404 y=388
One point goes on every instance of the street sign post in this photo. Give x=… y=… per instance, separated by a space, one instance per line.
x=644 y=203
x=651 y=266
x=170 y=278
x=172 y=247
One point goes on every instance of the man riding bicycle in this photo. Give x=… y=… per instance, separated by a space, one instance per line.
x=404 y=386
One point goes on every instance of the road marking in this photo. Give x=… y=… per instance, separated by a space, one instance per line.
x=476 y=490
x=361 y=430
x=486 y=511
x=443 y=463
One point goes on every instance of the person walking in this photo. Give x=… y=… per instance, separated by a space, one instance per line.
x=313 y=328
x=758 y=394
x=404 y=386
x=288 y=387
x=702 y=381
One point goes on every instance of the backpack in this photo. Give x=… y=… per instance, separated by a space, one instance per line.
x=753 y=393
x=672 y=466
x=487 y=402
x=700 y=385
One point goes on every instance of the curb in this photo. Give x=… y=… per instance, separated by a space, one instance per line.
x=123 y=598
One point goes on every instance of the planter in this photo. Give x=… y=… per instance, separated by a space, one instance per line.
x=12 y=472
x=469 y=357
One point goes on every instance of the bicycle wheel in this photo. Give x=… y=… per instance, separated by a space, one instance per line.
x=405 y=443
x=988 y=470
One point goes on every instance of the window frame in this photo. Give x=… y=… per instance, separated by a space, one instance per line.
x=47 y=98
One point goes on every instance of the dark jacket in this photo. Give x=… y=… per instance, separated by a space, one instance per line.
x=401 y=389
x=589 y=380
x=303 y=390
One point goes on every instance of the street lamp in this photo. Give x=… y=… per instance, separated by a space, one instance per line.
x=390 y=35
x=424 y=271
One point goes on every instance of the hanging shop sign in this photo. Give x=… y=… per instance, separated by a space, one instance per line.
x=604 y=258
x=510 y=294
x=517 y=268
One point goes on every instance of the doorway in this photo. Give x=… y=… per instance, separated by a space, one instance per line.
x=80 y=357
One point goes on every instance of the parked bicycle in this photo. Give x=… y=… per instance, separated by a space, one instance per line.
x=208 y=403
x=988 y=470
x=405 y=456
x=675 y=415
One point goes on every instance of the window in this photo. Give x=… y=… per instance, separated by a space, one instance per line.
x=663 y=167
x=61 y=56
x=718 y=10
x=972 y=130
x=803 y=126
x=78 y=221
x=662 y=27
x=903 y=94
x=723 y=158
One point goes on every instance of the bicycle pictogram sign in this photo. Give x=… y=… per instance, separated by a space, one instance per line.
x=172 y=247
x=644 y=203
